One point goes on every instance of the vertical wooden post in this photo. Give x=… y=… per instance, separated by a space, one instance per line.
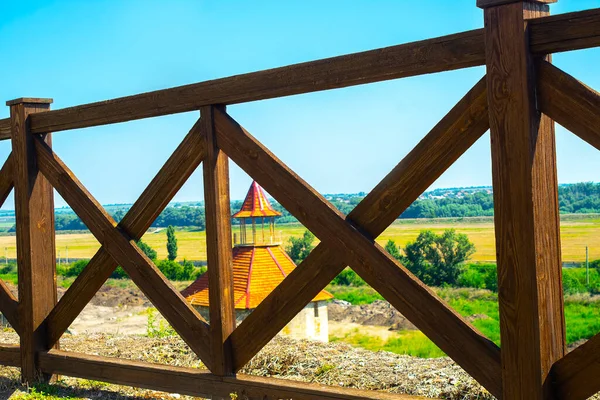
x=36 y=260
x=526 y=218
x=218 y=247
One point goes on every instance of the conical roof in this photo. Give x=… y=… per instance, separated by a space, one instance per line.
x=256 y=272
x=256 y=204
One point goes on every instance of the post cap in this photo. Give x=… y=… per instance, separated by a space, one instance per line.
x=28 y=100
x=494 y=3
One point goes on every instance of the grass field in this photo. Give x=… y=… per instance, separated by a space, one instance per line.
x=582 y=316
x=576 y=233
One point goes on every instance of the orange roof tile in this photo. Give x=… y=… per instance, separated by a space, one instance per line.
x=256 y=204
x=257 y=270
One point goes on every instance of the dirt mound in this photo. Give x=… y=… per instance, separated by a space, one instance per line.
x=378 y=313
x=112 y=296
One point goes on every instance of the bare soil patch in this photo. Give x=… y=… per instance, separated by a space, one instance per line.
x=378 y=313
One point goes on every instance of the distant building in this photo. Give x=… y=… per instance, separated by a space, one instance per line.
x=259 y=265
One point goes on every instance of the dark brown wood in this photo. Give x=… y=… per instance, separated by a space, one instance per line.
x=565 y=32
x=493 y=3
x=169 y=302
x=171 y=177
x=4 y=128
x=440 y=148
x=36 y=260
x=575 y=376
x=10 y=355
x=526 y=215
x=218 y=247
x=8 y=302
x=433 y=55
x=6 y=179
x=194 y=382
x=9 y=306
x=453 y=334
x=569 y=102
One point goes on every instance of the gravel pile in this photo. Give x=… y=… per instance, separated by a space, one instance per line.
x=326 y=363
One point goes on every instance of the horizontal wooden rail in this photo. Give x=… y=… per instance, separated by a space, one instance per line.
x=195 y=382
x=548 y=35
x=10 y=355
x=576 y=375
x=565 y=32
x=4 y=128
x=569 y=102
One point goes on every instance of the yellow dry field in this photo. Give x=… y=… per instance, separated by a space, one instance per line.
x=575 y=235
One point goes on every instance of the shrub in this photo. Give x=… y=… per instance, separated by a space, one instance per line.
x=174 y=271
x=148 y=251
x=299 y=248
x=10 y=268
x=348 y=278
x=438 y=259
x=479 y=276
x=72 y=270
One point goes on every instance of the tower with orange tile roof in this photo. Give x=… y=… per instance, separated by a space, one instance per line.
x=259 y=265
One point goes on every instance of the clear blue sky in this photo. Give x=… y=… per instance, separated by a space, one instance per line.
x=339 y=141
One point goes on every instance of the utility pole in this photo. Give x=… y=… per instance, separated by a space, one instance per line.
x=587 y=266
x=6 y=256
x=67 y=256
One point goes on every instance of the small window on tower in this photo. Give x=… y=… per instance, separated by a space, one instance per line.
x=316 y=307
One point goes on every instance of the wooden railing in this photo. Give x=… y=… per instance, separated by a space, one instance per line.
x=515 y=100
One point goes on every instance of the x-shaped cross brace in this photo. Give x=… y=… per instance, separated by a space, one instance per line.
x=350 y=241
x=118 y=246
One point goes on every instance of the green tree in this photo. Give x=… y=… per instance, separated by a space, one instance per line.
x=394 y=251
x=299 y=248
x=437 y=259
x=148 y=251
x=171 y=243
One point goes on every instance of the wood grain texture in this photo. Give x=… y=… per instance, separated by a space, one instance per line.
x=4 y=128
x=493 y=3
x=433 y=55
x=575 y=376
x=169 y=302
x=454 y=335
x=440 y=148
x=9 y=306
x=218 y=247
x=461 y=50
x=569 y=102
x=8 y=302
x=157 y=195
x=10 y=355
x=526 y=214
x=565 y=32
x=6 y=179
x=36 y=259
x=194 y=382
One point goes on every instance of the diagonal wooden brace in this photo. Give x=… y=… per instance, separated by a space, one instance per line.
x=171 y=177
x=8 y=302
x=569 y=102
x=183 y=317
x=355 y=247
x=446 y=142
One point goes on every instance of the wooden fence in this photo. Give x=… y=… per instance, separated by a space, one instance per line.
x=518 y=100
